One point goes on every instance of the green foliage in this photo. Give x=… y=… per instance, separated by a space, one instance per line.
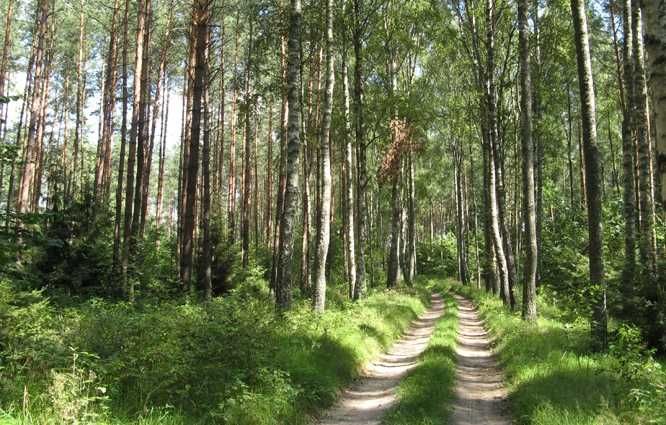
x=438 y=258
x=229 y=361
x=74 y=396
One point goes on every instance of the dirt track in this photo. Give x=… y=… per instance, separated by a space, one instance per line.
x=480 y=395
x=370 y=397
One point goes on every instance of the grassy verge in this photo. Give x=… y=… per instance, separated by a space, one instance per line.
x=426 y=394
x=231 y=361
x=554 y=378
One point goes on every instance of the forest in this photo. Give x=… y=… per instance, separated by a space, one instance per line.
x=292 y=212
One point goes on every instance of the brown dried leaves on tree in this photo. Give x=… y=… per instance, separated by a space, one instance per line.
x=402 y=141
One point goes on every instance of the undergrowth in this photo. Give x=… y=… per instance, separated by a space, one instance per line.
x=230 y=361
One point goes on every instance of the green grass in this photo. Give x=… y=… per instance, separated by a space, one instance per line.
x=426 y=394
x=553 y=376
x=232 y=361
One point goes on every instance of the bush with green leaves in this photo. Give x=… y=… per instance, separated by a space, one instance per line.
x=438 y=258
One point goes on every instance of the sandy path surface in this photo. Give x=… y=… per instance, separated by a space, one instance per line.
x=371 y=396
x=480 y=395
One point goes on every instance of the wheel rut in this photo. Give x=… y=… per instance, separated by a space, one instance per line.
x=480 y=393
x=368 y=399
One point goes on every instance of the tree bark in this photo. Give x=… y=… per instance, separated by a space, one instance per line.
x=121 y=160
x=103 y=164
x=144 y=143
x=133 y=158
x=231 y=185
x=592 y=160
x=247 y=161
x=491 y=105
x=24 y=203
x=80 y=99
x=411 y=217
x=196 y=80
x=458 y=165
x=529 y=311
x=348 y=204
x=324 y=234
x=162 y=156
x=284 y=282
x=206 y=248
x=648 y=243
x=4 y=64
x=655 y=42
x=361 y=175
x=268 y=217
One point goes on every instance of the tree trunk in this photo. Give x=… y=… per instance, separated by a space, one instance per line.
x=394 y=272
x=4 y=64
x=282 y=166
x=491 y=104
x=592 y=160
x=655 y=42
x=220 y=140
x=24 y=202
x=80 y=99
x=529 y=311
x=629 y=196
x=491 y=277
x=348 y=204
x=197 y=80
x=648 y=248
x=206 y=245
x=324 y=225
x=103 y=165
x=134 y=157
x=162 y=156
x=144 y=142
x=231 y=186
x=157 y=110
x=361 y=176
x=411 y=217
x=247 y=161
x=458 y=165
x=284 y=282
x=268 y=190
x=121 y=160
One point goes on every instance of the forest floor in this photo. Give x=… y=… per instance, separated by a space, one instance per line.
x=367 y=400
x=480 y=393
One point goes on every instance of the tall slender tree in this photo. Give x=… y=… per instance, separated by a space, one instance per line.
x=324 y=222
x=284 y=278
x=655 y=42
x=529 y=210
x=24 y=203
x=648 y=248
x=103 y=163
x=197 y=80
x=592 y=171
